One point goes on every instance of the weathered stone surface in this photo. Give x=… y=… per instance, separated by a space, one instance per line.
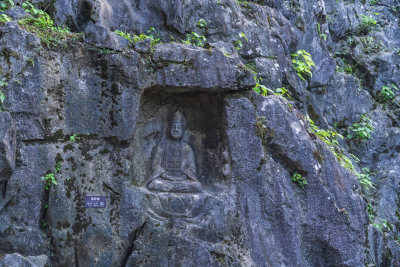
x=268 y=163
x=22 y=212
x=17 y=260
x=99 y=108
x=17 y=13
x=102 y=37
x=8 y=143
x=192 y=67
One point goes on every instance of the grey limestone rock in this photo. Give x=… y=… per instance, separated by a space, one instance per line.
x=95 y=114
x=17 y=260
x=8 y=144
x=102 y=37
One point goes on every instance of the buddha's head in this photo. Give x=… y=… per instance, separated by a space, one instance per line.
x=177 y=126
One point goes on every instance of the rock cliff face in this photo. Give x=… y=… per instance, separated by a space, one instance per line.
x=87 y=113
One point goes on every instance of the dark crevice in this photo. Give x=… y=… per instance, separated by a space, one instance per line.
x=76 y=255
x=288 y=164
x=111 y=189
x=132 y=238
x=3 y=187
x=83 y=18
x=43 y=221
x=6 y=201
x=43 y=212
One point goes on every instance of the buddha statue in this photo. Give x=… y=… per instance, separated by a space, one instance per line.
x=173 y=167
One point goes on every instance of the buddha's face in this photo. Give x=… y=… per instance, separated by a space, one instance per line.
x=176 y=130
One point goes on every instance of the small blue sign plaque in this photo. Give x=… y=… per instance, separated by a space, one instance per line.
x=95 y=202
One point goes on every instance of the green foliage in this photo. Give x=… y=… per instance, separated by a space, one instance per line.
x=238 y=44
x=3 y=84
x=382 y=225
x=331 y=138
x=151 y=34
x=302 y=63
x=367 y=24
x=371 y=213
x=299 y=179
x=373 y=2
x=283 y=92
x=4 y=18
x=43 y=26
x=195 y=39
x=261 y=128
x=58 y=167
x=346 y=68
x=6 y=4
x=127 y=36
x=49 y=178
x=371 y=45
x=262 y=89
x=362 y=129
x=258 y=88
x=387 y=95
x=202 y=23
x=365 y=179
x=368 y=21
x=41 y=19
x=72 y=138
x=242 y=2
x=320 y=33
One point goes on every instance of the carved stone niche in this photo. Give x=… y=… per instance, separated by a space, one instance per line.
x=180 y=152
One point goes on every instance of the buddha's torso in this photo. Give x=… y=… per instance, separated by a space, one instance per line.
x=173 y=159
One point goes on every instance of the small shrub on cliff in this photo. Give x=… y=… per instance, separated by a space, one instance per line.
x=72 y=138
x=6 y=4
x=331 y=138
x=49 y=178
x=367 y=23
x=151 y=34
x=202 y=23
x=387 y=95
x=258 y=88
x=3 y=84
x=127 y=36
x=283 y=92
x=362 y=129
x=238 y=44
x=4 y=18
x=195 y=39
x=345 y=68
x=43 y=26
x=382 y=225
x=299 y=179
x=371 y=45
x=302 y=63
x=365 y=179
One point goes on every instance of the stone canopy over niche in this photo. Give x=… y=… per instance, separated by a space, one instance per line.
x=203 y=133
